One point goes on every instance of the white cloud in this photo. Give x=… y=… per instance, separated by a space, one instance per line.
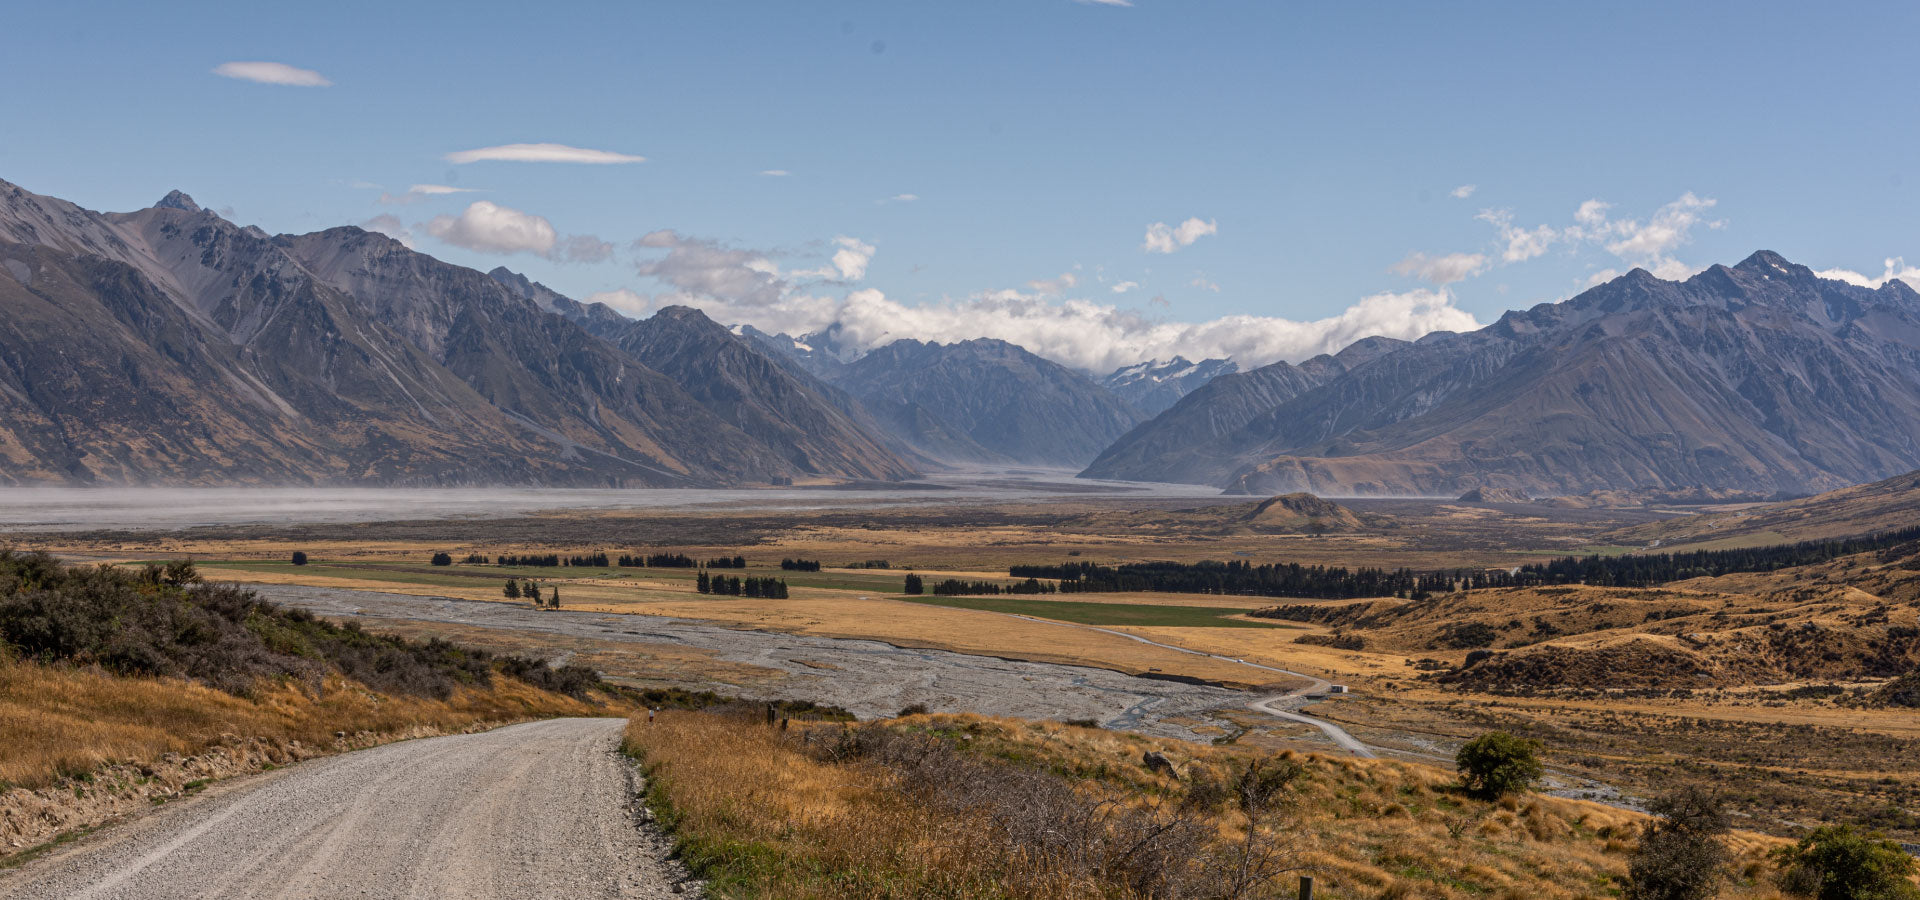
x=1652 y=243
x=391 y=226
x=1442 y=269
x=491 y=228
x=623 y=301
x=1164 y=238
x=852 y=258
x=1603 y=276
x=272 y=73
x=1054 y=287
x=1463 y=192
x=1896 y=268
x=901 y=198
x=1125 y=286
x=1104 y=2
x=421 y=192
x=1521 y=244
x=558 y=153
x=1201 y=282
x=775 y=173
x=1592 y=213
x=738 y=286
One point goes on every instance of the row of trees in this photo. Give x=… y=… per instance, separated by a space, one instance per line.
x=657 y=561
x=728 y=562
x=531 y=591
x=800 y=565
x=954 y=587
x=1340 y=583
x=751 y=586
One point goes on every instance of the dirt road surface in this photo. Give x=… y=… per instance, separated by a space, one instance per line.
x=535 y=810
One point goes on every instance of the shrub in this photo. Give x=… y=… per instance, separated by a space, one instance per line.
x=1681 y=856
x=442 y=558
x=299 y=557
x=1496 y=764
x=1838 y=862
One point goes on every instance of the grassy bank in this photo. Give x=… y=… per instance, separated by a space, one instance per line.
x=963 y=806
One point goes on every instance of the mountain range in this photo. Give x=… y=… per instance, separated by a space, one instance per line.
x=1761 y=377
x=169 y=345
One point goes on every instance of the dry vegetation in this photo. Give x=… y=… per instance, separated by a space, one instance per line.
x=823 y=812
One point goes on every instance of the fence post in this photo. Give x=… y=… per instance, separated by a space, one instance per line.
x=1306 y=887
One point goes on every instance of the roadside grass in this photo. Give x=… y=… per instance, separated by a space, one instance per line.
x=940 y=806
x=1104 y=614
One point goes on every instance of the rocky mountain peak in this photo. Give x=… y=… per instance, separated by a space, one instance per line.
x=177 y=200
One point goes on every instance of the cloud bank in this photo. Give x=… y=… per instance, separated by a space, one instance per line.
x=551 y=153
x=1896 y=268
x=272 y=73
x=486 y=227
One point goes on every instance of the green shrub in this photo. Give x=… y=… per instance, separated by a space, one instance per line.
x=1681 y=856
x=1838 y=862
x=1496 y=764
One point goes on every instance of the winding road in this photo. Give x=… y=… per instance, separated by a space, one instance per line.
x=536 y=810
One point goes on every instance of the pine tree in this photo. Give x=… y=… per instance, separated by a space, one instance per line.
x=703 y=584
x=553 y=597
x=915 y=585
x=512 y=590
x=532 y=592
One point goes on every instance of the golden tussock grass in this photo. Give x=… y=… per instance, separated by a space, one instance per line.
x=764 y=818
x=64 y=721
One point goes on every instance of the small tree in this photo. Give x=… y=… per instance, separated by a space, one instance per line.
x=532 y=592
x=442 y=558
x=915 y=585
x=299 y=557
x=512 y=590
x=1496 y=764
x=702 y=583
x=553 y=597
x=1681 y=856
x=1838 y=862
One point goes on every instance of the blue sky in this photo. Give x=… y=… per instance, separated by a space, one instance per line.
x=1313 y=152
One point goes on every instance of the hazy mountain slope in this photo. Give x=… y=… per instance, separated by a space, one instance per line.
x=1185 y=443
x=742 y=385
x=1757 y=377
x=169 y=345
x=1151 y=387
x=1887 y=505
x=987 y=401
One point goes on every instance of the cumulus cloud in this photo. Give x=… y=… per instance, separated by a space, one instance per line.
x=1125 y=286
x=272 y=73
x=1463 y=192
x=1520 y=244
x=1054 y=287
x=491 y=228
x=622 y=301
x=1896 y=268
x=1442 y=269
x=554 y=153
x=849 y=262
x=421 y=192
x=1649 y=243
x=1164 y=238
x=698 y=268
x=391 y=226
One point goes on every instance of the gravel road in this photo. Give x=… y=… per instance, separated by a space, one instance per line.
x=869 y=678
x=535 y=810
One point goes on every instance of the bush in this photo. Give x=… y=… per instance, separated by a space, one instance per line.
x=1680 y=856
x=442 y=558
x=1838 y=862
x=1496 y=764
x=299 y=557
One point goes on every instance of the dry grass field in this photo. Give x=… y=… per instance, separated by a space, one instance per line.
x=770 y=813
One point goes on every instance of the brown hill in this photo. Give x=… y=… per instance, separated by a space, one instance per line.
x=1862 y=509
x=1495 y=495
x=1301 y=513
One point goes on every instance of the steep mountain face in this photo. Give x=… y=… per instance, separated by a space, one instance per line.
x=169 y=345
x=1151 y=387
x=744 y=386
x=1760 y=377
x=986 y=401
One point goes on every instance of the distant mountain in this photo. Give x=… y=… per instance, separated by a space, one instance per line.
x=172 y=346
x=747 y=387
x=1154 y=385
x=973 y=402
x=1759 y=377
